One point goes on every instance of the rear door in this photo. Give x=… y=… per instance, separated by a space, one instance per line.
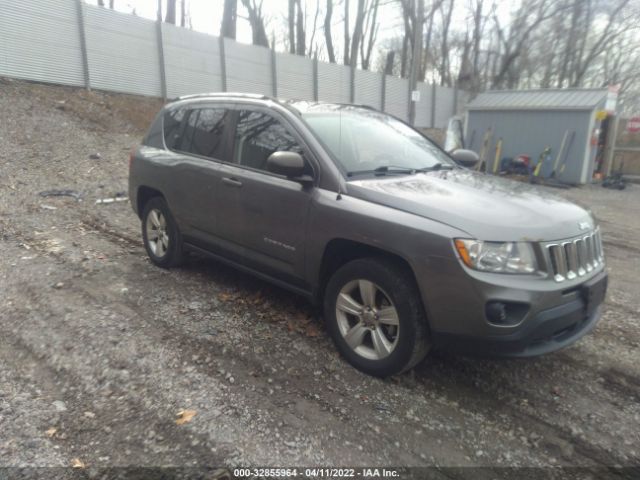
x=263 y=213
x=199 y=144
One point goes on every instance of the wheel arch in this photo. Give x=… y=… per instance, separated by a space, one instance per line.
x=143 y=195
x=339 y=251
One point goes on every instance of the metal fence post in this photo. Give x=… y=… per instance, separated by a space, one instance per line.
x=383 y=92
x=223 y=64
x=352 y=84
x=411 y=105
x=83 y=44
x=433 y=105
x=274 y=74
x=455 y=100
x=315 y=78
x=163 y=73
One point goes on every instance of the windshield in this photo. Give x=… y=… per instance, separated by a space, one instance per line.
x=364 y=141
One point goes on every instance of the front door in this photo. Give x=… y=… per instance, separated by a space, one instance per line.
x=263 y=213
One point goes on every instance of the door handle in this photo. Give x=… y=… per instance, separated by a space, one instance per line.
x=231 y=182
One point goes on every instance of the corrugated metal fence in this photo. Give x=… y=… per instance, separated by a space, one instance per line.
x=69 y=42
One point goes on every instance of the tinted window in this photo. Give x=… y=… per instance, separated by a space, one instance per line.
x=196 y=131
x=258 y=135
x=207 y=139
x=172 y=125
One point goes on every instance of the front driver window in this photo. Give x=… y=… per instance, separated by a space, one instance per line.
x=258 y=135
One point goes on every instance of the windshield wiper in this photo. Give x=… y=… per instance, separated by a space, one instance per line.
x=385 y=169
x=395 y=170
x=435 y=167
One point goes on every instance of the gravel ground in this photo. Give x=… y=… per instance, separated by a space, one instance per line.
x=100 y=350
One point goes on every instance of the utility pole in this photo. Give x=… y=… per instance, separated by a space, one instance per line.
x=416 y=59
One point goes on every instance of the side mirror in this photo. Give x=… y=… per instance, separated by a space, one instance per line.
x=289 y=164
x=465 y=158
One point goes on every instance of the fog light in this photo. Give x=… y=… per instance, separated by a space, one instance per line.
x=505 y=313
x=496 y=312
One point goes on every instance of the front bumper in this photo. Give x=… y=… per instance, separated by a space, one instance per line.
x=549 y=330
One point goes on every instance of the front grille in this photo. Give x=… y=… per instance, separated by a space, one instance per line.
x=575 y=257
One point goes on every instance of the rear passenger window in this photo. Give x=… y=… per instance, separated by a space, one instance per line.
x=208 y=130
x=197 y=131
x=258 y=135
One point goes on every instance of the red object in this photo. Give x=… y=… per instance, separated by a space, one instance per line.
x=633 y=125
x=523 y=159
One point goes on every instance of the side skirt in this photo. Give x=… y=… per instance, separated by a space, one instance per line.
x=256 y=273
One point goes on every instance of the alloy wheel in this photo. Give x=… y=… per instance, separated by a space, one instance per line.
x=157 y=235
x=367 y=319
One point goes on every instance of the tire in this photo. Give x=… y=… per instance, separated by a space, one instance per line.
x=376 y=342
x=166 y=250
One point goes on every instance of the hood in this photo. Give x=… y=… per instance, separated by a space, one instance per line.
x=486 y=207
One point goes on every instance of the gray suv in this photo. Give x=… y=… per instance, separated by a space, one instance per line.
x=403 y=248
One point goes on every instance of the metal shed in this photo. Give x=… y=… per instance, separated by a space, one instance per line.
x=528 y=121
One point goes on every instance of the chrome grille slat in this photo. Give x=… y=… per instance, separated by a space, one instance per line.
x=575 y=257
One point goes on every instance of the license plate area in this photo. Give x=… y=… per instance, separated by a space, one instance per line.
x=593 y=293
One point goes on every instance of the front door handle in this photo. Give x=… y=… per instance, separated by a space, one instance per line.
x=231 y=182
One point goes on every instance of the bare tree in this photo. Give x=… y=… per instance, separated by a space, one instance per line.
x=229 y=19
x=327 y=31
x=170 y=15
x=312 y=48
x=256 y=20
x=301 y=35
x=370 y=33
x=445 y=73
x=357 y=33
x=514 y=37
x=347 y=39
x=292 y=26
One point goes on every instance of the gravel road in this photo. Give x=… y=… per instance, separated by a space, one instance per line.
x=100 y=350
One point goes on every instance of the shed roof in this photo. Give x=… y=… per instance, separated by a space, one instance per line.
x=543 y=99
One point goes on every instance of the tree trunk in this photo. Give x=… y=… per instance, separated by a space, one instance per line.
x=347 y=41
x=292 y=26
x=445 y=75
x=301 y=36
x=170 y=16
x=327 y=31
x=183 y=13
x=229 y=19
x=366 y=48
x=256 y=20
x=357 y=34
x=416 y=57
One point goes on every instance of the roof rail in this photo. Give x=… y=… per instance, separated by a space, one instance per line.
x=223 y=94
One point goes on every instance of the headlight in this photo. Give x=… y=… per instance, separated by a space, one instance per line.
x=497 y=257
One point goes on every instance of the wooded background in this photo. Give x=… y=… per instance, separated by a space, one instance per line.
x=472 y=44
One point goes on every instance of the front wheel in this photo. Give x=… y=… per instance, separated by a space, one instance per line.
x=375 y=316
x=160 y=234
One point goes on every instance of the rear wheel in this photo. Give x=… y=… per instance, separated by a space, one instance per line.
x=375 y=316
x=160 y=233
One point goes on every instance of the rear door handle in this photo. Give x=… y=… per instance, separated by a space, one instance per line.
x=232 y=182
